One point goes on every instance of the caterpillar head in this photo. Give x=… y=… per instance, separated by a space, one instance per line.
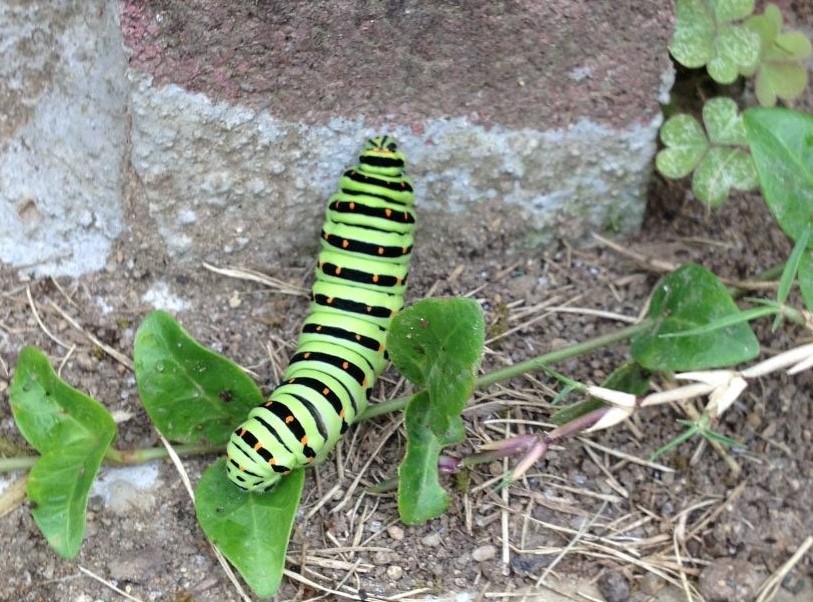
x=381 y=156
x=248 y=464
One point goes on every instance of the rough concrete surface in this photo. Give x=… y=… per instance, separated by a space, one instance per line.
x=240 y=115
x=243 y=114
x=63 y=135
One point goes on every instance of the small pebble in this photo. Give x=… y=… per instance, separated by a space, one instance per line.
x=382 y=557
x=728 y=580
x=395 y=532
x=484 y=553
x=432 y=540
x=395 y=572
x=651 y=584
x=614 y=587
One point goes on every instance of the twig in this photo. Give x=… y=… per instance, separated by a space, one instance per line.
x=114 y=353
x=107 y=584
x=50 y=335
x=772 y=583
x=176 y=460
x=279 y=286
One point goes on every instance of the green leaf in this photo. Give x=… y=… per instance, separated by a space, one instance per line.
x=722 y=169
x=736 y=48
x=420 y=495
x=767 y=25
x=718 y=167
x=782 y=147
x=781 y=72
x=437 y=344
x=192 y=394
x=705 y=34
x=723 y=122
x=629 y=378
x=792 y=265
x=790 y=46
x=779 y=80
x=693 y=39
x=686 y=144
x=250 y=529
x=72 y=432
x=689 y=298
x=731 y=10
x=805 y=277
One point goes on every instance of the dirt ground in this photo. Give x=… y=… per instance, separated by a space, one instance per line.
x=591 y=509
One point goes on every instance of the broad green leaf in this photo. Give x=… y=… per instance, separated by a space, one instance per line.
x=192 y=394
x=72 y=432
x=722 y=169
x=437 y=344
x=782 y=147
x=723 y=122
x=687 y=299
x=693 y=39
x=250 y=529
x=629 y=378
x=805 y=276
x=420 y=495
x=686 y=144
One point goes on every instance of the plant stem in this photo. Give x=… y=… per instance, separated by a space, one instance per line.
x=117 y=457
x=542 y=361
x=531 y=365
x=140 y=456
x=18 y=463
x=772 y=273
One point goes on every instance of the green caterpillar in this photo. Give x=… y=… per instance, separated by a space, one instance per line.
x=361 y=276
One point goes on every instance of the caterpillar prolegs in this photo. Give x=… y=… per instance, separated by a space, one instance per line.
x=361 y=276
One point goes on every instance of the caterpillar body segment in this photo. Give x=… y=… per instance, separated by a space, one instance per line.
x=361 y=277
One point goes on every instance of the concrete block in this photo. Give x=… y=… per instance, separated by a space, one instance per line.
x=63 y=134
x=544 y=113
x=525 y=122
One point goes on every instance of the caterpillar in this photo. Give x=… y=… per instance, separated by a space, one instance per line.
x=361 y=276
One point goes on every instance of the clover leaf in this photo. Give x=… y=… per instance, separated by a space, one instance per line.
x=721 y=170
x=723 y=124
x=686 y=144
x=720 y=160
x=781 y=71
x=706 y=33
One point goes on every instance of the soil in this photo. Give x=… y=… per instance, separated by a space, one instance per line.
x=622 y=517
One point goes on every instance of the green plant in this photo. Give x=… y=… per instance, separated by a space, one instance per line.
x=438 y=343
x=729 y=41
x=195 y=396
